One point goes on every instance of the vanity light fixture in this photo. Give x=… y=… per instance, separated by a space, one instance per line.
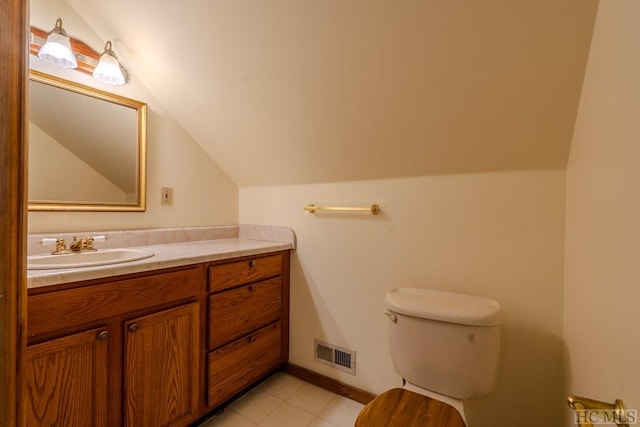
x=57 y=48
x=108 y=69
x=77 y=54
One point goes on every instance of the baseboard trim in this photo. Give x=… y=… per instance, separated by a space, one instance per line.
x=330 y=384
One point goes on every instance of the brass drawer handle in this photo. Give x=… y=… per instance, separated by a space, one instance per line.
x=103 y=335
x=133 y=328
x=252 y=264
x=252 y=339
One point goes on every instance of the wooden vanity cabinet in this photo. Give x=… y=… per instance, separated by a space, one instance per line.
x=155 y=349
x=116 y=353
x=67 y=380
x=161 y=367
x=248 y=323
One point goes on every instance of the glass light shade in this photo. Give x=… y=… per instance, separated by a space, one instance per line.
x=108 y=69
x=57 y=49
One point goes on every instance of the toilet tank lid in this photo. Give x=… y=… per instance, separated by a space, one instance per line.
x=444 y=306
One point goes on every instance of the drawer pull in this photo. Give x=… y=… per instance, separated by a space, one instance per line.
x=252 y=264
x=103 y=335
x=252 y=339
x=133 y=328
x=252 y=288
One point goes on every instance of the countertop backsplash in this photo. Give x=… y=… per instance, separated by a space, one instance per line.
x=160 y=236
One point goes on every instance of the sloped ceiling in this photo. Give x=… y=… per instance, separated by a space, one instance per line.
x=306 y=91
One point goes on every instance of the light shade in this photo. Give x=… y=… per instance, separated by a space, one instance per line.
x=57 y=48
x=108 y=69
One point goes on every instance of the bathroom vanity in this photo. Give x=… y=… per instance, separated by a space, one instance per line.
x=160 y=344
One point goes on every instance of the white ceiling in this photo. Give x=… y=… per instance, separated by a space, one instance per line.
x=305 y=91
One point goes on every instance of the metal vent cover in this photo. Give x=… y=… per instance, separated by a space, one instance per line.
x=334 y=356
x=324 y=352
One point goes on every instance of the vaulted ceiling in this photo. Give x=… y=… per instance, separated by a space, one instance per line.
x=305 y=91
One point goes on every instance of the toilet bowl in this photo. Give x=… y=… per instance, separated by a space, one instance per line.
x=445 y=346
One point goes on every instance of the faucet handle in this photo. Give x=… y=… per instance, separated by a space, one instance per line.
x=48 y=241
x=61 y=246
x=94 y=239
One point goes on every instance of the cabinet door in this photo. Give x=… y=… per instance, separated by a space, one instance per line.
x=161 y=367
x=66 y=380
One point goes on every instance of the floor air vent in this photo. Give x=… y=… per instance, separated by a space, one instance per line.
x=337 y=357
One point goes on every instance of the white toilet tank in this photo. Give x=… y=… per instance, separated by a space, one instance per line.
x=445 y=342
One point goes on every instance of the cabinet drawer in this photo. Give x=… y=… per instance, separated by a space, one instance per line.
x=235 y=313
x=237 y=365
x=52 y=312
x=225 y=276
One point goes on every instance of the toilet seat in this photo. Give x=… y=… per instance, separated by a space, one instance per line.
x=400 y=407
x=457 y=404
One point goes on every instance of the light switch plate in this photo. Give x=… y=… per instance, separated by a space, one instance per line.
x=166 y=197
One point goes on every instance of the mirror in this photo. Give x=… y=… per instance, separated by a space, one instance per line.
x=87 y=148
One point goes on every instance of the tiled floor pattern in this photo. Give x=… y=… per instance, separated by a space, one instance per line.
x=286 y=401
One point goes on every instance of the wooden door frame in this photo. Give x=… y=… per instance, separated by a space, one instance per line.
x=14 y=67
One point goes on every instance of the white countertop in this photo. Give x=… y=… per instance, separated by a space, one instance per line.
x=165 y=256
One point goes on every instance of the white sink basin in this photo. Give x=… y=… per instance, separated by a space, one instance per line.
x=86 y=259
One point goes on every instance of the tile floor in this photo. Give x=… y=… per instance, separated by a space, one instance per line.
x=286 y=401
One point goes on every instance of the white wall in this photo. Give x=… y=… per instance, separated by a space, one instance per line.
x=64 y=183
x=602 y=287
x=493 y=235
x=203 y=193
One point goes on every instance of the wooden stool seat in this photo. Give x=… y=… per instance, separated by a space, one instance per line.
x=404 y=408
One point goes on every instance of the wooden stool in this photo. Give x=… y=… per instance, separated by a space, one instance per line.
x=404 y=408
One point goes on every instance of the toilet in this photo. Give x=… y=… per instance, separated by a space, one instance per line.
x=446 y=347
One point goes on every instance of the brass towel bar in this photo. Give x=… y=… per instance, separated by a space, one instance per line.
x=373 y=209
x=589 y=411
